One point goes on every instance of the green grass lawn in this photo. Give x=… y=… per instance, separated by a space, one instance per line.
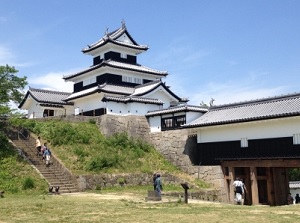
x=127 y=206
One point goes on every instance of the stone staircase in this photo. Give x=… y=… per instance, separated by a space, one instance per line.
x=55 y=174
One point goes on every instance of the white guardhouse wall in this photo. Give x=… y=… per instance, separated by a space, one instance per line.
x=141 y=108
x=30 y=106
x=155 y=123
x=129 y=108
x=162 y=95
x=88 y=103
x=274 y=128
x=69 y=109
x=34 y=110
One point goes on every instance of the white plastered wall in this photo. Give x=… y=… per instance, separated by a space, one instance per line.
x=88 y=103
x=273 y=128
x=161 y=94
x=129 y=108
x=155 y=123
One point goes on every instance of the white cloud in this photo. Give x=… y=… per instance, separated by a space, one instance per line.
x=52 y=81
x=225 y=93
x=6 y=56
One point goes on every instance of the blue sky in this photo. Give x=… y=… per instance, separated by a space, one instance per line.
x=227 y=50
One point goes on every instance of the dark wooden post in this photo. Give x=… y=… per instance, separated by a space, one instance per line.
x=185 y=187
x=231 y=180
x=254 y=187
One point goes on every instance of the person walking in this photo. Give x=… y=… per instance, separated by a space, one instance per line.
x=47 y=155
x=158 y=185
x=239 y=189
x=290 y=199
x=154 y=178
x=38 y=146
x=297 y=199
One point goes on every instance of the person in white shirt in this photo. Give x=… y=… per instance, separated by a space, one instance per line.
x=239 y=189
x=38 y=146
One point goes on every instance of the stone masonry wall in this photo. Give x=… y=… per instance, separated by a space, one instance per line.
x=135 y=126
x=177 y=146
x=98 y=182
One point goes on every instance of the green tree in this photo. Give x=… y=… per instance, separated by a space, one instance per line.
x=11 y=87
x=294 y=174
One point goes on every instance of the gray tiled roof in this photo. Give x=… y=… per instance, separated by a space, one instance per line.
x=112 y=37
x=119 y=65
x=46 y=96
x=137 y=91
x=107 y=88
x=132 y=99
x=111 y=88
x=267 y=108
x=136 y=67
x=181 y=108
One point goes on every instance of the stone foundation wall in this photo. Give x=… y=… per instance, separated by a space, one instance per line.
x=98 y=182
x=135 y=126
x=92 y=182
x=177 y=146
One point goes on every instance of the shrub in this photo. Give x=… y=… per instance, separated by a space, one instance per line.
x=92 y=121
x=102 y=162
x=28 y=183
x=121 y=180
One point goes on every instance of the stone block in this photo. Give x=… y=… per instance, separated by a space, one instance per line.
x=153 y=196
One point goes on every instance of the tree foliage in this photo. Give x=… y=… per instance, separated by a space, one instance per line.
x=294 y=174
x=11 y=87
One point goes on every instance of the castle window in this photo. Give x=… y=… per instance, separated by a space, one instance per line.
x=137 y=80
x=89 y=81
x=173 y=122
x=123 y=55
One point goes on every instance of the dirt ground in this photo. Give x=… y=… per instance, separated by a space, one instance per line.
x=134 y=197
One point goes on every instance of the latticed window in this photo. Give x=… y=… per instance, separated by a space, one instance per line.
x=172 y=122
x=48 y=112
x=180 y=120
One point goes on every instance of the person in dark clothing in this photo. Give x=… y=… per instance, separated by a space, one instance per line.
x=158 y=185
x=297 y=199
x=290 y=199
x=154 y=178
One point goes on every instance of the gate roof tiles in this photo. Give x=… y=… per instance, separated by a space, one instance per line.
x=261 y=109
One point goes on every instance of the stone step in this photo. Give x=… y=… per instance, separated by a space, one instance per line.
x=52 y=173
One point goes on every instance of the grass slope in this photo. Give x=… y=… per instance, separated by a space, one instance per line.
x=16 y=174
x=84 y=150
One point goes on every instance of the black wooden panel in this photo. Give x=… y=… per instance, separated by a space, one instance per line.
x=96 y=112
x=145 y=81
x=131 y=59
x=117 y=57
x=78 y=86
x=212 y=153
x=97 y=60
x=209 y=152
x=109 y=78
